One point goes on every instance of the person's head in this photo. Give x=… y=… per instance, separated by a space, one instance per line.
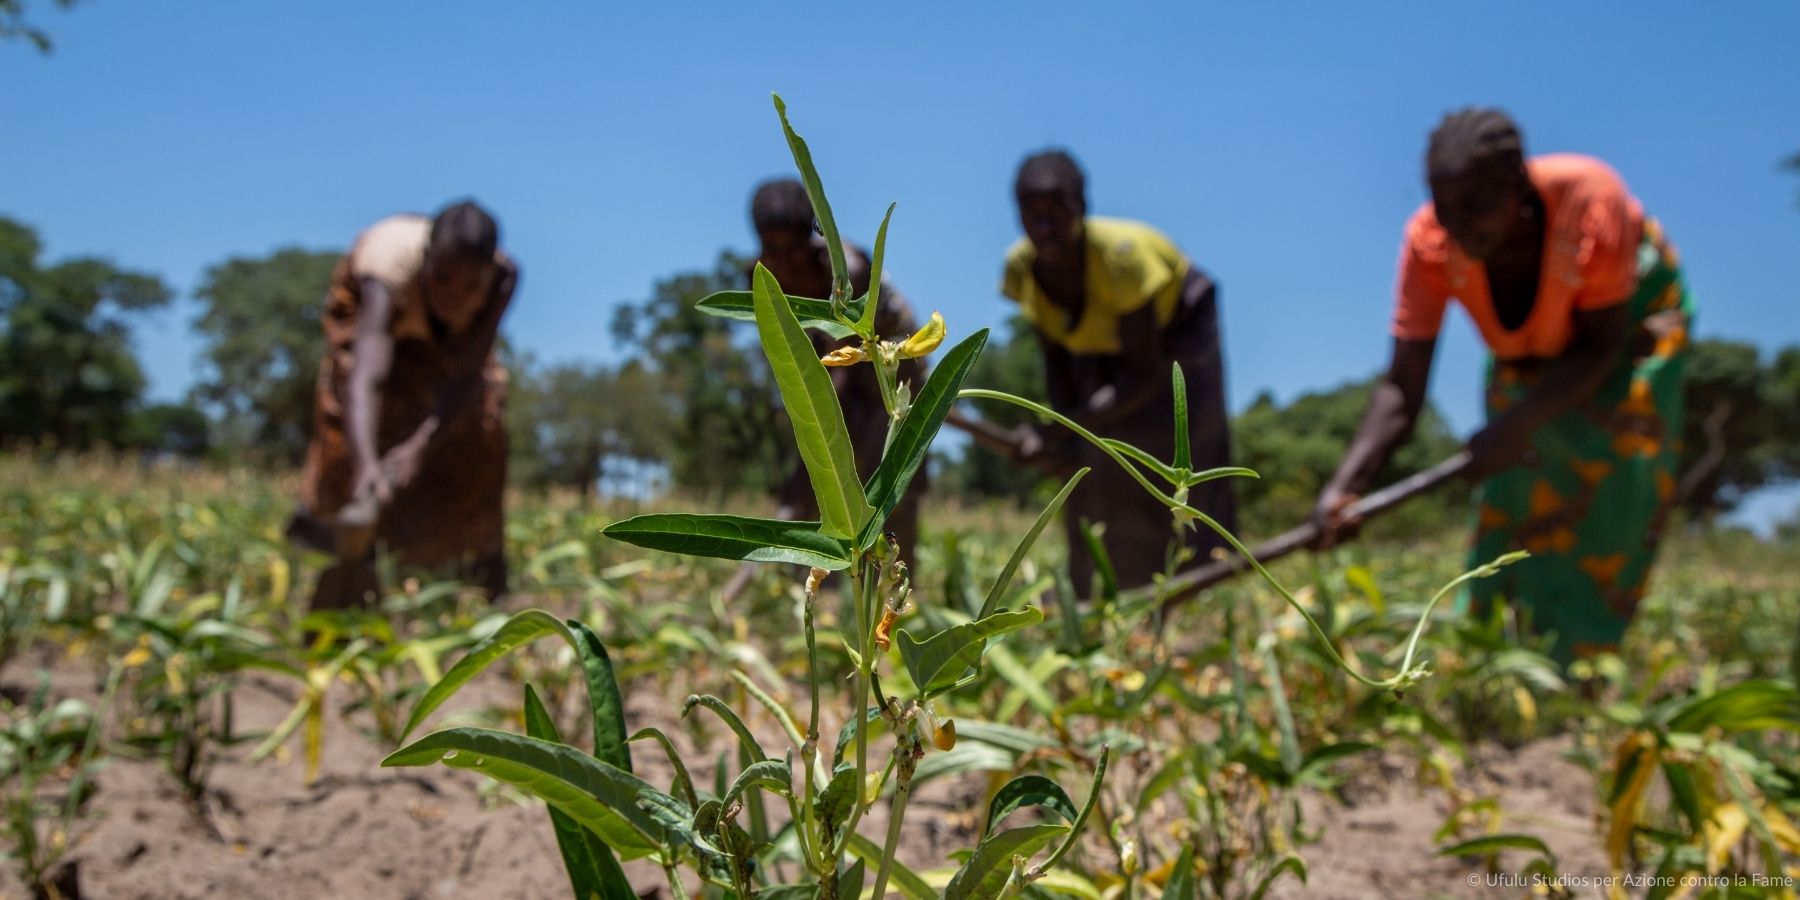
x=460 y=265
x=783 y=217
x=1052 y=196
x=1479 y=185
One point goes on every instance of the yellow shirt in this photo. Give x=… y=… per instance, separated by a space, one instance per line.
x=1128 y=264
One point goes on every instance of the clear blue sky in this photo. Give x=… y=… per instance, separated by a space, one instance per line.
x=1279 y=146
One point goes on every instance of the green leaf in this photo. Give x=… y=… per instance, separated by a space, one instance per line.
x=1029 y=790
x=814 y=314
x=865 y=323
x=834 y=804
x=731 y=719
x=604 y=699
x=815 y=191
x=789 y=892
x=1494 y=843
x=601 y=798
x=982 y=877
x=964 y=757
x=1330 y=753
x=904 y=879
x=847 y=733
x=774 y=774
x=593 y=869
x=813 y=411
x=732 y=537
x=930 y=661
x=912 y=438
x=1087 y=809
x=1746 y=706
x=1013 y=562
x=684 y=784
x=1180 y=885
x=769 y=703
x=1184 y=454
x=518 y=631
x=850 y=881
x=1293 y=864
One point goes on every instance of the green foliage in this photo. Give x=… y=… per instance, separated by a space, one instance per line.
x=569 y=421
x=14 y=25
x=261 y=344
x=728 y=423
x=1296 y=447
x=1742 y=414
x=67 y=374
x=177 y=429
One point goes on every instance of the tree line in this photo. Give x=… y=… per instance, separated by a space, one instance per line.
x=691 y=402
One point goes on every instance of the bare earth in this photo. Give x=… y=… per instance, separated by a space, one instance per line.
x=361 y=831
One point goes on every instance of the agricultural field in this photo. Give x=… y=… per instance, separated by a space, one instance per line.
x=175 y=725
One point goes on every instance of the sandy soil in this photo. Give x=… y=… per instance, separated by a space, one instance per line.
x=361 y=831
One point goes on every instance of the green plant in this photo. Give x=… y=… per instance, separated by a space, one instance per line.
x=178 y=675
x=43 y=743
x=602 y=812
x=624 y=815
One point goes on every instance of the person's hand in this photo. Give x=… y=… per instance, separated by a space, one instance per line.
x=372 y=484
x=1028 y=443
x=401 y=465
x=1333 y=517
x=1494 y=448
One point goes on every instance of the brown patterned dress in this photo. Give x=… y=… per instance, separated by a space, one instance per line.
x=453 y=510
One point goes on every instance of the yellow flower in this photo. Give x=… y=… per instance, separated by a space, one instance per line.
x=844 y=356
x=925 y=339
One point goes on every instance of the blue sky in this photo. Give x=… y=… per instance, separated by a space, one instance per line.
x=1278 y=144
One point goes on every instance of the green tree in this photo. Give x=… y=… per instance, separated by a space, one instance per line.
x=1741 y=416
x=1295 y=449
x=179 y=429
x=67 y=373
x=728 y=427
x=13 y=24
x=570 y=421
x=261 y=346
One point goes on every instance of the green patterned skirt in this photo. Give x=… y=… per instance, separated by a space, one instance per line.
x=1591 y=502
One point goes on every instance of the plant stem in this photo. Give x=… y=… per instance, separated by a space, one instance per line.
x=676 y=888
x=865 y=590
x=906 y=758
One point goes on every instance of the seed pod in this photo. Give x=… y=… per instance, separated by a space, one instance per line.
x=944 y=736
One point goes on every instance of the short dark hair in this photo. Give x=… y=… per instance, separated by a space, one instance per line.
x=1051 y=171
x=1474 y=139
x=463 y=230
x=781 y=204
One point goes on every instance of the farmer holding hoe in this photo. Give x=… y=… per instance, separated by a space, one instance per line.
x=1115 y=304
x=408 y=447
x=1581 y=303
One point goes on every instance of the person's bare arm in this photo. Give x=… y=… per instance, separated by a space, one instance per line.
x=1393 y=412
x=372 y=355
x=1145 y=376
x=469 y=364
x=1600 y=336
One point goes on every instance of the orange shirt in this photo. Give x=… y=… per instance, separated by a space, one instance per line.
x=1590 y=262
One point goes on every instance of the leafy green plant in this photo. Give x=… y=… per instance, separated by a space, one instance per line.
x=604 y=810
x=178 y=675
x=45 y=745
